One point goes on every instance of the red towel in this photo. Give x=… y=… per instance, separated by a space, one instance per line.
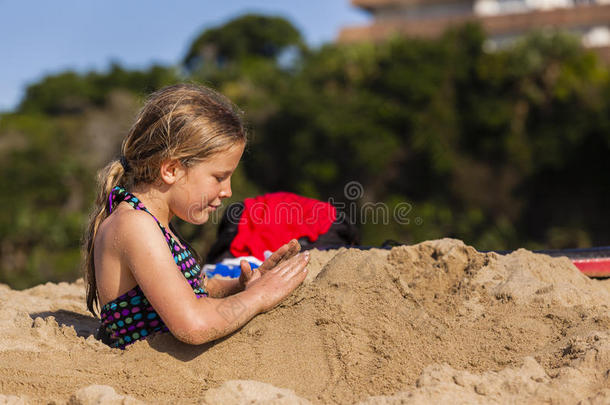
x=271 y=220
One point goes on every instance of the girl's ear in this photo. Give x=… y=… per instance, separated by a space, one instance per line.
x=171 y=171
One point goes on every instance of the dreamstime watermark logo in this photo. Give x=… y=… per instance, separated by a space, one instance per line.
x=353 y=190
x=370 y=212
x=296 y=211
x=231 y=309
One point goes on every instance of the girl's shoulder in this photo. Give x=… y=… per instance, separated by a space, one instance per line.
x=123 y=223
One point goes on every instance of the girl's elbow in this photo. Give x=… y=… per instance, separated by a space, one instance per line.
x=195 y=333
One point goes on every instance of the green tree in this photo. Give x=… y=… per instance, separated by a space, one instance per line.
x=248 y=36
x=73 y=93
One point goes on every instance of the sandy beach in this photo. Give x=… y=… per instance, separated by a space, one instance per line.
x=432 y=322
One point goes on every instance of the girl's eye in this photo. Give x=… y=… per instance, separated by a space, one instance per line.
x=220 y=179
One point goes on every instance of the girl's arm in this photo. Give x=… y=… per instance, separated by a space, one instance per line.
x=142 y=248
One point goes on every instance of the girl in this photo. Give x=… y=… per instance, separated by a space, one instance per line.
x=177 y=160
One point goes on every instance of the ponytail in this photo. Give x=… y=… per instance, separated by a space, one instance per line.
x=107 y=178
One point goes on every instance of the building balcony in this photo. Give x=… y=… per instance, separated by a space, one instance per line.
x=578 y=19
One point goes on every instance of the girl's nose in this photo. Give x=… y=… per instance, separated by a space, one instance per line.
x=226 y=191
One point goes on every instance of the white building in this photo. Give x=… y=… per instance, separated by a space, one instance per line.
x=503 y=20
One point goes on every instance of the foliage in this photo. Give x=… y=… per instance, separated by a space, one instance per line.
x=502 y=149
x=71 y=93
x=246 y=37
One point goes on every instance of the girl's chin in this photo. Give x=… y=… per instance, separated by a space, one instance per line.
x=199 y=217
x=198 y=222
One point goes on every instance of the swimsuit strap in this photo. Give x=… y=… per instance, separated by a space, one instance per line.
x=119 y=194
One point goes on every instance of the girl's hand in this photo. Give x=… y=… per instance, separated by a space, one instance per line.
x=282 y=254
x=278 y=282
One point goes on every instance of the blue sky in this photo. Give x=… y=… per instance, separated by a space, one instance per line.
x=41 y=37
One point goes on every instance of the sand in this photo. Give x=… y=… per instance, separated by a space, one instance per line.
x=437 y=321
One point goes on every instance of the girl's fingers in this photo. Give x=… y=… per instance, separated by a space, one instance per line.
x=300 y=261
x=284 y=265
x=298 y=270
x=293 y=248
x=255 y=274
x=285 y=252
x=275 y=258
x=246 y=270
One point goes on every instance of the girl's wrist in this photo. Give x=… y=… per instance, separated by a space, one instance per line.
x=252 y=299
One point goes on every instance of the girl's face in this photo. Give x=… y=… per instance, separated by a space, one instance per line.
x=200 y=191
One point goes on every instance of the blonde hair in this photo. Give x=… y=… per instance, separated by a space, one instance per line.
x=184 y=122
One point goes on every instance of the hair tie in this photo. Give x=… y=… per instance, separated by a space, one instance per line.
x=124 y=163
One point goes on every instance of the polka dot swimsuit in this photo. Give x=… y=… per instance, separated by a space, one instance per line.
x=130 y=317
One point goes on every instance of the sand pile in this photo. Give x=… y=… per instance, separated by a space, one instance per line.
x=431 y=322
